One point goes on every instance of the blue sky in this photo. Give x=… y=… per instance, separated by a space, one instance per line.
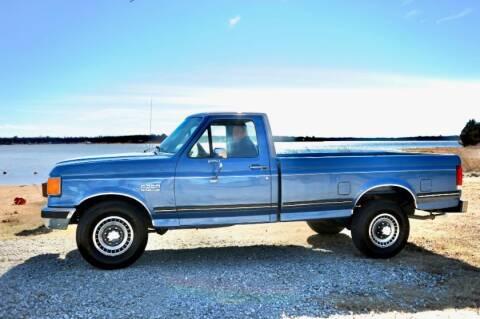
x=91 y=67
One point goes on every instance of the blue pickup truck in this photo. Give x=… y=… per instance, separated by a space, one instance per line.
x=221 y=169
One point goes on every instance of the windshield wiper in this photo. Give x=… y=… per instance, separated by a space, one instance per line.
x=158 y=151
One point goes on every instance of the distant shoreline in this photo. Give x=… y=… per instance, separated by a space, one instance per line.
x=156 y=139
x=367 y=139
x=124 y=139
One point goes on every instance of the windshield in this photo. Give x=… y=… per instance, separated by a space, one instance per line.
x=180 y=136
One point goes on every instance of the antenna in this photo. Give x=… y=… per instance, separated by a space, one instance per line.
x=150 y=128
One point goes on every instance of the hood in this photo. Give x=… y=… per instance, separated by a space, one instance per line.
x=119 y=165
x=107 y=157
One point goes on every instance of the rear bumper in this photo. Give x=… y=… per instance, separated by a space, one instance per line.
x=57 y=218
x=460 y=208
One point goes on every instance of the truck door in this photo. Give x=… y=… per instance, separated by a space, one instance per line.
x=224 y=175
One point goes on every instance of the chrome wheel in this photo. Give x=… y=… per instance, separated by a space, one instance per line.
x=384 y=230
x=112 y=236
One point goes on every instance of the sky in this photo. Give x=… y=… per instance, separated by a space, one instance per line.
x=324 y=68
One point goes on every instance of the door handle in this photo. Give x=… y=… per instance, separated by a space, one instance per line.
x=258 y=167
x=218 y=167
x=217 y=163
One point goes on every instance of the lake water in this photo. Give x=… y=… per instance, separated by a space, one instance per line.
x=27 y=164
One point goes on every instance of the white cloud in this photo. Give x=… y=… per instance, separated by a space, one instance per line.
x=386 y=105
x=16 y=127
x=233 y=21
x=430 y=109
x=461 y=14
x=51 y=129
x=413 y=13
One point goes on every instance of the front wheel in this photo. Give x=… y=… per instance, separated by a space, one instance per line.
x=111 y=235
x=380 y=229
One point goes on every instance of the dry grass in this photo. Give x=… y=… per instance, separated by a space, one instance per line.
x=470 y=155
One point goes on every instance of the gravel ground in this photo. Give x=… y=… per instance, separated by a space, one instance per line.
x=261 y=271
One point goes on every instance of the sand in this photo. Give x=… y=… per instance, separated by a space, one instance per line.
x=17 y=218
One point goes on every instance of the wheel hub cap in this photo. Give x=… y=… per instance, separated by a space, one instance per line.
x=384 y=230
x=112 y=236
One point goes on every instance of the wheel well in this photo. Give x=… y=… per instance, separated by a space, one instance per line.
x=80 y=209
x=398 y=194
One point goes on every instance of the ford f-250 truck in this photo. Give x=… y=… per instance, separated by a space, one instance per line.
x=221 y=169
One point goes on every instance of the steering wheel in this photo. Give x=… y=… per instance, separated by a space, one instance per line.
x=201 y=151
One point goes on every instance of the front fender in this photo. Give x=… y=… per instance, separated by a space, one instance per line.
x=76 y=192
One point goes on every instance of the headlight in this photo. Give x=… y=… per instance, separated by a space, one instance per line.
x=54 y=186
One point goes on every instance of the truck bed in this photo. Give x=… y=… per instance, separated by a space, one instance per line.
x=357 y=153
x=321 y=184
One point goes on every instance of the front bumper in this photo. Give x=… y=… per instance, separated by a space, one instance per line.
x=57 y=218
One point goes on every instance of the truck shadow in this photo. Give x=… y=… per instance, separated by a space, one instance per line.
x=328 y=278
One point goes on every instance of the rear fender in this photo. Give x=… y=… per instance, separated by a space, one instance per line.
x=383 y=182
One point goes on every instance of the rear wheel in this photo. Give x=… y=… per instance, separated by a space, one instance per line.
x=327 y=227
x=112 y=235
x=380 y=229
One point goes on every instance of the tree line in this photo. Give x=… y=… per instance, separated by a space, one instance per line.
x=130 y=139
x=471 y=133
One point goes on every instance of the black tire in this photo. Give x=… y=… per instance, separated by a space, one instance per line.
x=380 y=229
x=114 y=218
x=326 y=227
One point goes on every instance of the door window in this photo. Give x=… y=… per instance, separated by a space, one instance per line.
x=228 y=139
x=219 y=136
x=201 y=149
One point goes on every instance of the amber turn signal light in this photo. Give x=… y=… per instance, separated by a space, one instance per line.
x=54 y=186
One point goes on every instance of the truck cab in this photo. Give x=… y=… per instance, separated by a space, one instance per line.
x=224 y=173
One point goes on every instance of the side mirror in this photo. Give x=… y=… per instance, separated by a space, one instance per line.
x=220 y=152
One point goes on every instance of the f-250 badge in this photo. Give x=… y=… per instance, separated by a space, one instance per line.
x=155 y=187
